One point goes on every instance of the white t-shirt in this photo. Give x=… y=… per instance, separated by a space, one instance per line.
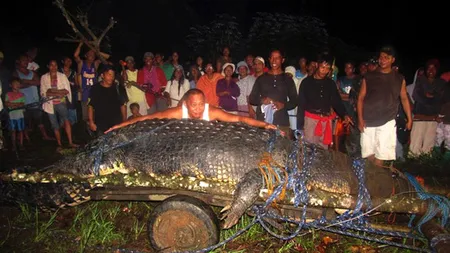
x=33 y=66
x=175 y=94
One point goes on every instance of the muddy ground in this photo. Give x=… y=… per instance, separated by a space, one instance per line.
x=122 y=226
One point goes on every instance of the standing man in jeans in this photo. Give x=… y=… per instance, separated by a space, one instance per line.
x=270 y=94
x=378 y=103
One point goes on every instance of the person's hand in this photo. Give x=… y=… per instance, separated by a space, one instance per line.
x=266 y=101
x=270 y=126
x=348 y=120
x=92 y=126
x=409 y=124
x=278 y=105
x=361 y=125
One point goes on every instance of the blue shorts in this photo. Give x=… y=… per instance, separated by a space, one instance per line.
x=61 y=113
x=72 y=116
x=17 y=124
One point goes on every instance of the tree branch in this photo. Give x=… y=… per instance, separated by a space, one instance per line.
x=74 y=40
x=82 y=19
x=84 y=23
x=67 y=40
x=60 y=4
x=110 y=25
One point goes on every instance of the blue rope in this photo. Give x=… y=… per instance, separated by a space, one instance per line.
x=297 y=181
x=358 y=166
x=436 y=204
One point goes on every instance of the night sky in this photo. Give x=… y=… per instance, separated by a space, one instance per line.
x=416 y=31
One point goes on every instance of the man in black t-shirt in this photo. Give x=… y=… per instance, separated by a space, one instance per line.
x=274 y=94
x=107 y=107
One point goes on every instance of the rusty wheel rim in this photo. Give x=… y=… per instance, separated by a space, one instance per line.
x=180 y=230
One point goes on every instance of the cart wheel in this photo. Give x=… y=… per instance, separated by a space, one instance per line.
x=182 y=223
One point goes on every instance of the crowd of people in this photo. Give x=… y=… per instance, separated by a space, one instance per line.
x=371 y=98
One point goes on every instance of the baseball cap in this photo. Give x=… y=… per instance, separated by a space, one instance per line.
x=149 y=54
x=259 y=58
x=130 y=58
x=388 y=50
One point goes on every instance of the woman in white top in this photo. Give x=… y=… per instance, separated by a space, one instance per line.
x=176 y=87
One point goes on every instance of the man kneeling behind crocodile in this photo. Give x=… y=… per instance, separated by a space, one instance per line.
x=193 y=106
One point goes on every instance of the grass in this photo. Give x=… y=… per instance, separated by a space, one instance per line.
x=105 y=226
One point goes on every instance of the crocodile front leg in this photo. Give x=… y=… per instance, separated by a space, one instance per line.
x=245 y=195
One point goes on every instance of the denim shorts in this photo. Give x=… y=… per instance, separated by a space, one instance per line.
x=72 y=116
x=17 y=124
x=59 y=116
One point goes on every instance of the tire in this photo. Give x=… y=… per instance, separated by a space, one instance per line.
x=182 y=223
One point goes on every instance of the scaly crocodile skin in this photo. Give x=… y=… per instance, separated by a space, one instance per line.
x=211 y=157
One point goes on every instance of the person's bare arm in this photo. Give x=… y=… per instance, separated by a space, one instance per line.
x=359 y=108
x=76 y=55
x=56 y=93
x=406 y=106
x=92 y=124
x=35 y=81
x=123 y=111
x=171 y=113
x=218 y=114
x=98 y=61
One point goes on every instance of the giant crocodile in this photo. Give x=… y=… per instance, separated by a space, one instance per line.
x=211 y=157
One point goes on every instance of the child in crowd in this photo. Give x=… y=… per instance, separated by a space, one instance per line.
x=134 y=108
x=15 y=99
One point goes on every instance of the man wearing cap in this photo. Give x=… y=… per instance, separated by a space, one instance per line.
x=274 y=94
x=427 y=95
x=259 y=66
x=245 y=83
x=378 y=103
x=134 y=92
x=154 y=77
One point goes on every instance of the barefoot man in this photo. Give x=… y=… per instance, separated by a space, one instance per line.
x=194 y=107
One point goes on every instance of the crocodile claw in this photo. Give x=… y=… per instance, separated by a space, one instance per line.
x=230 y=219
x=226 y=208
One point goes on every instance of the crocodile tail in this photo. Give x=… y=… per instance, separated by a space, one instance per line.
x=46 y=196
